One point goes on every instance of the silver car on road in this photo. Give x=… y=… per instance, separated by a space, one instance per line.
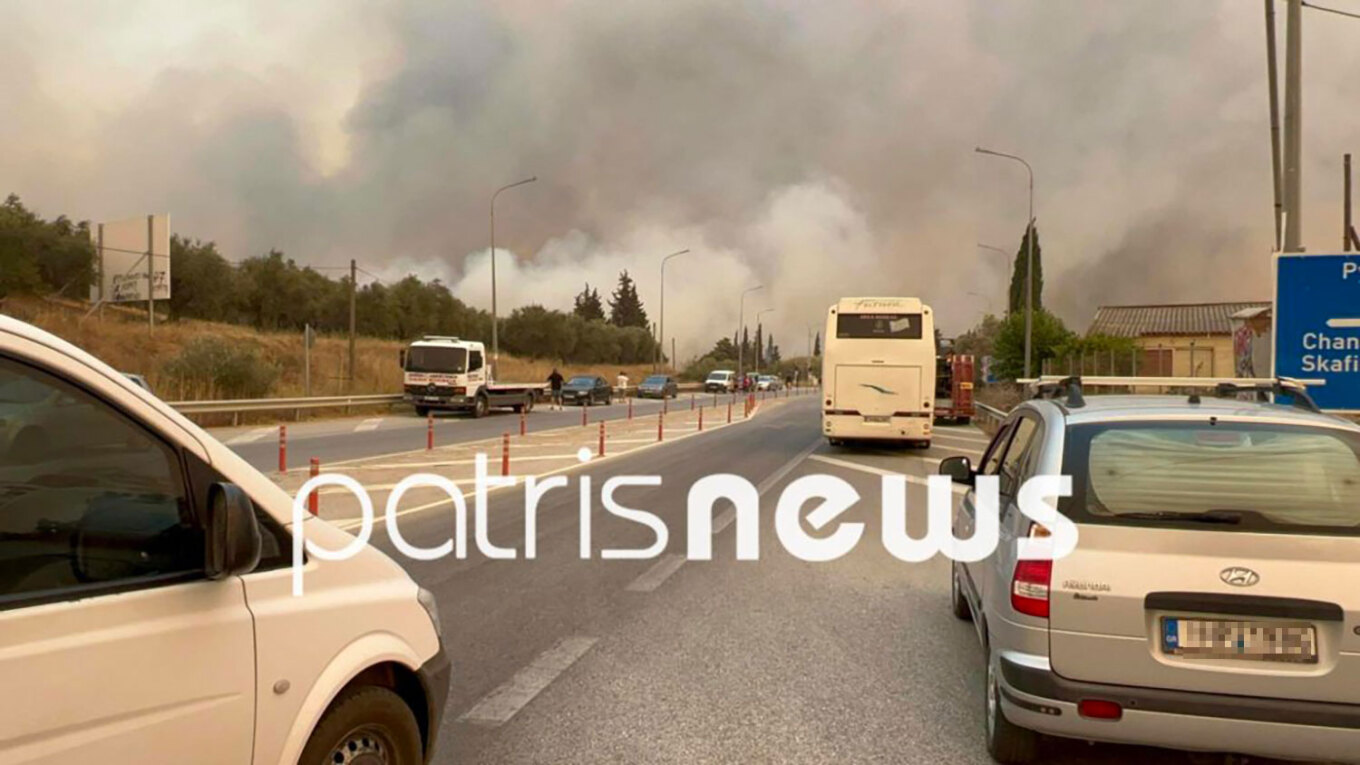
x=1213 y=599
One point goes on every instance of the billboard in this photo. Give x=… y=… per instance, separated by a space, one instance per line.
x=121 y=251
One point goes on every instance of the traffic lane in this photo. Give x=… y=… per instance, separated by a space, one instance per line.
x=358 y=437
x=871 y=462
x=498 y=615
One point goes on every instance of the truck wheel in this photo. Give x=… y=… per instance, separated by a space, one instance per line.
x=364 y=724
x=421 y=411
x=480 y=406
x=529 y=403
x=964 y=420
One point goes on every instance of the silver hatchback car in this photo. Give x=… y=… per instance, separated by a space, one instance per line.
x=1213 y=599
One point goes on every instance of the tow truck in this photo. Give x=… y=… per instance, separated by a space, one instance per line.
x=449 y=373
x=954 y=388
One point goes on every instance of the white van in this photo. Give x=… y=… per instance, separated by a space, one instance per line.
x=878 y=370
x=146 y=606
x=720 y=381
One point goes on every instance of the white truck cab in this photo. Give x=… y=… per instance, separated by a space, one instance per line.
x=146 y=603
x=442 y=372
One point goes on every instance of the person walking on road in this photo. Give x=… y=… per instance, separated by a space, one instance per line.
x=621 y=385
x=555 y=382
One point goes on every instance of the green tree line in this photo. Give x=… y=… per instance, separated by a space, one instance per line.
x=272 y=292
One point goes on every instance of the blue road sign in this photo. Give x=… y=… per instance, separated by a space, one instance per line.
x=1317 y=325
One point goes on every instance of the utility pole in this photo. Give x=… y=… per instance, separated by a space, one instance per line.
x=1274 y=86
x=1293 y=126
x=741 y=329
x=353 y=280
x=1346 y=214
x=150 y=273
x=661 y=345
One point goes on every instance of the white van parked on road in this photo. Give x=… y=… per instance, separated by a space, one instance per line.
x=146 y=606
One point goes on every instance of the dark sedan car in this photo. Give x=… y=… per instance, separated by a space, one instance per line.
x=658 y=386
x=586 y=390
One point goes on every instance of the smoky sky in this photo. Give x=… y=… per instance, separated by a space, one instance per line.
x=817 y=149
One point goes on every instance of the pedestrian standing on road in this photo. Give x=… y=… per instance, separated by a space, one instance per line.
x=555 y=382
x=621 y=384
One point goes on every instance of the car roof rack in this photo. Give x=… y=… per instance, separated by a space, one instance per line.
x=1053 y=387
x=1050 y=386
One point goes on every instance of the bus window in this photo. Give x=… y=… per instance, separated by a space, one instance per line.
x=881 y=326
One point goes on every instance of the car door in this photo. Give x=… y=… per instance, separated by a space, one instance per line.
x=476 y=371
x=114 y=646
x=965 y=521
x=1013 y=469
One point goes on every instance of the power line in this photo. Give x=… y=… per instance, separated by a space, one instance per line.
x=1338 y=12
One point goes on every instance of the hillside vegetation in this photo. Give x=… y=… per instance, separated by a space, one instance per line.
x=189 y=359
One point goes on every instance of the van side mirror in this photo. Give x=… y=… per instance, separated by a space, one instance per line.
x=401 y=358
x=233 y=539
x=959 y=469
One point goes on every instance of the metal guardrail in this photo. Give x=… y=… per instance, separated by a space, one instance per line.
x=990 y=411
x=235 y=406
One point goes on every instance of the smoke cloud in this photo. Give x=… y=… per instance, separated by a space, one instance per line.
x=819 y=149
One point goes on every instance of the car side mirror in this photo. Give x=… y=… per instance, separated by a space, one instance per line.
x=233 y=538
x=401 y=358
x=959 y=470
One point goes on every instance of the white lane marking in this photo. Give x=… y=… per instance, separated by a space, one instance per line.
x=250 y=437
x=370 y=424
x=786 y=468
x=916 y=479
x=658 y=573
x=724 y=520
x=963 y=449
x=979 y=438
x=497 y=707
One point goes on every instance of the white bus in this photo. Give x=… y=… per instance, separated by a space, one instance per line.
x=878 y=370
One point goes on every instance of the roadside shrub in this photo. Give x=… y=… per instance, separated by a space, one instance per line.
x=222 y=369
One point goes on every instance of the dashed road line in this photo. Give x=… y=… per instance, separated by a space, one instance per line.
x=659 y=572
x=370 y=424
x=497 y=707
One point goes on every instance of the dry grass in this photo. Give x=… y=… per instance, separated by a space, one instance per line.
x=121 y=338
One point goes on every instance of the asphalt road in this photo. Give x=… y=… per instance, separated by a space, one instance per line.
x=560 y=659
x=348 y=438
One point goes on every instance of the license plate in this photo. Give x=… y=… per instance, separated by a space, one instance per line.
x=876 y=418
x=432 y=398
x=1225 y=639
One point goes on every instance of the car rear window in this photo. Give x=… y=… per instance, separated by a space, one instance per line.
x=579 y=381
x=655 y=380
x=1215 y=476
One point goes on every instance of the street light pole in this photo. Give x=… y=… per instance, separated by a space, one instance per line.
x=1293 y=126
x=741 y=328
x=1029 y=257
x=760 y=351
x=495 y=340
x=661 y=347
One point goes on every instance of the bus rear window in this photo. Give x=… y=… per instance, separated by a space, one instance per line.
x=899 y=326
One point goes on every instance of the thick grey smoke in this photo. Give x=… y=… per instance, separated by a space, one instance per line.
x=819 y=149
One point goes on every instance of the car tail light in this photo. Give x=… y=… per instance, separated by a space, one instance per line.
x=1029 y=587
x=1099 y=709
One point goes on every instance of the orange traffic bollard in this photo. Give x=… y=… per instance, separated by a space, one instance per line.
x=429 y=432
x=729 y=412
x=660 y=426
x=583 y=415
x=283 y=448
x=701 y=418
x=601 y=439
x=630 y=408
x=314 y=498
x=523 y=424
x=505 y=454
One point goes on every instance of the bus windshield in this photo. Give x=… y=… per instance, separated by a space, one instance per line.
x=879 y=326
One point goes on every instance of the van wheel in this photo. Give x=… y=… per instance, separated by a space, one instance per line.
x=957 y=601
x=1007 y=743
x=365 y=724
